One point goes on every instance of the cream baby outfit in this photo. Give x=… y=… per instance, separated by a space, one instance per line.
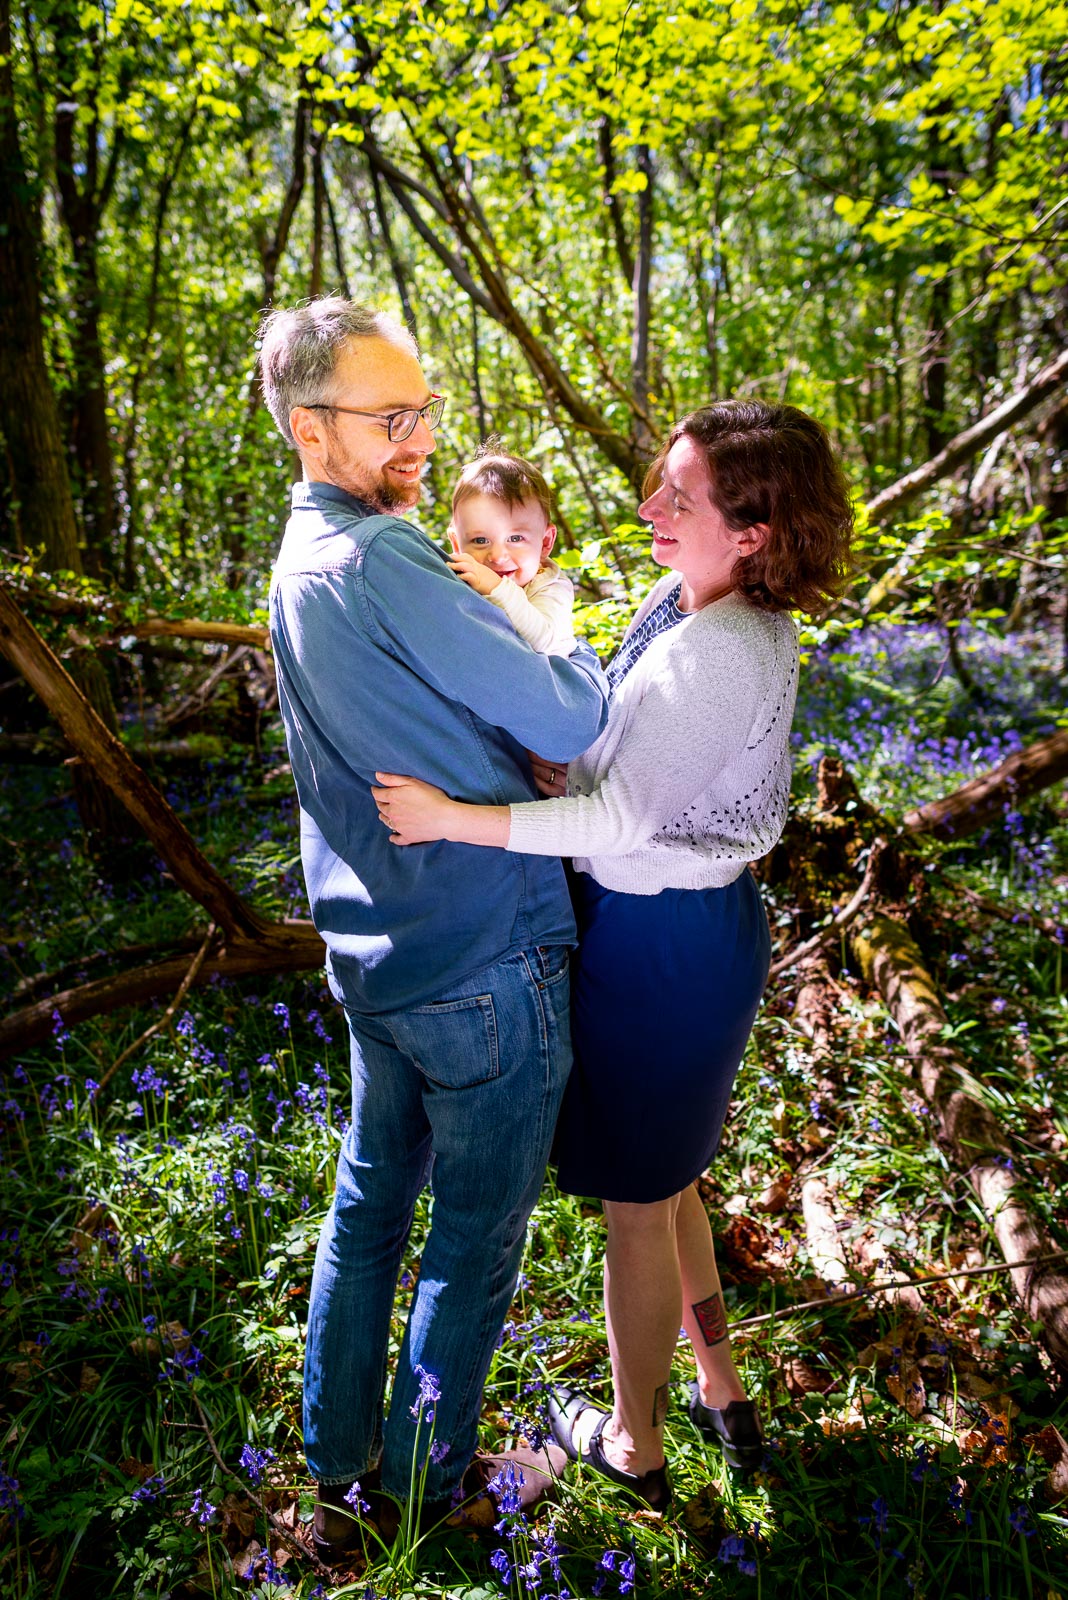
x=540 y=613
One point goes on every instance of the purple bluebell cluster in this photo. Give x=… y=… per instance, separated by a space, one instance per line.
x=152 y=1490
x=734 y=1549
x=620 y=1562
x=428 y=1396
x=254 y=1461
x=879 y=1521
x=354 y=1498
x=202 y=1509
x=10 y=1504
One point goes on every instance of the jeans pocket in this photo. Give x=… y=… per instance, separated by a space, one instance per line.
x=454 y=1043
x=554 y=963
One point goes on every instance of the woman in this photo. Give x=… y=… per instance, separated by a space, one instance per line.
x=687 y=785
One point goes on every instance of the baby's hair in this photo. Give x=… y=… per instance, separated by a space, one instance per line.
x=503 y=477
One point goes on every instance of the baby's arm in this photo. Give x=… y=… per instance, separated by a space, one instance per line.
x=540 y=613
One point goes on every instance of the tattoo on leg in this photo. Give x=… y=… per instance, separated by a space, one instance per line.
x=660 y=1404
x=711 y=1319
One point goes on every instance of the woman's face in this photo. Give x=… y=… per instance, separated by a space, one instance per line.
x=689 y=534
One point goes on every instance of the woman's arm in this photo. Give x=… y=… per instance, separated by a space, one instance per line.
x=417 y=813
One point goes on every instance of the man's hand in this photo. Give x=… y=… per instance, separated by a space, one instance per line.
x=482 y=579
x=413 y=811
x=550 y=777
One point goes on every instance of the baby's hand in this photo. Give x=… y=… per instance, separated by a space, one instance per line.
x=480 y=578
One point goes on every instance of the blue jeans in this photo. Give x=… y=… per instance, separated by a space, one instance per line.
x=464 y=1090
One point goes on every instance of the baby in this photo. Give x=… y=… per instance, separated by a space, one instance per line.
x=502 y=534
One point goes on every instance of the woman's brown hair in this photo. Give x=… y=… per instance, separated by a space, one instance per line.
x=774 y=464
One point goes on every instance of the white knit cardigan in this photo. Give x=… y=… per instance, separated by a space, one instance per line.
x=690 y=779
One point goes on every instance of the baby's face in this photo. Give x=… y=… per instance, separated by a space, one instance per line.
x=512 y=541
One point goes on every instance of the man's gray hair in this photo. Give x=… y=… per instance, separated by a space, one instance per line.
x=299 y=350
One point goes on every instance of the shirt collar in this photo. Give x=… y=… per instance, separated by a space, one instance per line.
x=306 y=494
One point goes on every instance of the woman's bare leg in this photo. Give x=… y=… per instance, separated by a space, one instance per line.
x=704 y=1314
x=643 y=1307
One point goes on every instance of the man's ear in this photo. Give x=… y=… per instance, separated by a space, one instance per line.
x=308 y=429
x=548 y=539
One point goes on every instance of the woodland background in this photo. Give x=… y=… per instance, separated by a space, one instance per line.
x=594 y=216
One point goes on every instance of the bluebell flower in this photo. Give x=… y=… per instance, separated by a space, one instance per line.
x=9 y=1495
x=438 y=1451
x=273 y=1574
x=254 y=1461
x=202 y=1508
x=1019 y=1517
x=281 y=1011
x=150 y=1491
x=241 y=1180
x=504 y=1486
x=354 y=1497
x=879 y=1520
x=429 y=1394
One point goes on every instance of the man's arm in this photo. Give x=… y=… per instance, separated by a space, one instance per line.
x=467 y=650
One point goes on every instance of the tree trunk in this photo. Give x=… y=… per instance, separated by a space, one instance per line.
x=964 y=445
x=82 y=202
x=639 y=344
x=129 y=449
x=43 y=507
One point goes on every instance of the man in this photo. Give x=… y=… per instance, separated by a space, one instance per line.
x=451 y=962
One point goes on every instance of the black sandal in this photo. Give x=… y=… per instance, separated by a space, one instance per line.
x=736 y=1429
x=566 y=1405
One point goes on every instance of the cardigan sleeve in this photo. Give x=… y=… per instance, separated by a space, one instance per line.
x=693 y=719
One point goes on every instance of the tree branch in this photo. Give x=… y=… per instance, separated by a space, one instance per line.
x=971 y=441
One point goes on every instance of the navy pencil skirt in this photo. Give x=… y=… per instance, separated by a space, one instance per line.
x=664 y=991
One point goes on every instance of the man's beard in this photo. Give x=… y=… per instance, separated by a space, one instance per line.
x=374 y=489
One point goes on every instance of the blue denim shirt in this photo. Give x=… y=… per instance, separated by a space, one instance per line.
x=387 y=662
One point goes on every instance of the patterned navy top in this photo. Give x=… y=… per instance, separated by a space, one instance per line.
x=663 y=616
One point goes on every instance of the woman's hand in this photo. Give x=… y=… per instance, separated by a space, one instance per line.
x=550 y=777
x=414 y=812
x=482 y=579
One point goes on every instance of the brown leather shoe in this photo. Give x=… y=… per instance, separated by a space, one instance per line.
x=512 y=1482
x=343 y=1526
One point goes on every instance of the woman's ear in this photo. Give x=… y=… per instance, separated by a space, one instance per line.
x=751 y=539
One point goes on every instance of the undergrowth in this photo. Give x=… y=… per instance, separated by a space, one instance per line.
x=158 y=1233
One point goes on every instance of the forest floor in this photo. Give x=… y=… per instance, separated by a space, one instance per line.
x=158 y=1234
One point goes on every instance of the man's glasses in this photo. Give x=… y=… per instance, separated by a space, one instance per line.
x=400 y=425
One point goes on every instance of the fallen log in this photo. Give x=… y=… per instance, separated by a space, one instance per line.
x=300 y=950
x=112 y=762
x=982 y=800
x=890 y=959
x=252 y=943
x=825 y=1248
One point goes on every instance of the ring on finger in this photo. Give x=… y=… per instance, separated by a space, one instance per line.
x=552 y=774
